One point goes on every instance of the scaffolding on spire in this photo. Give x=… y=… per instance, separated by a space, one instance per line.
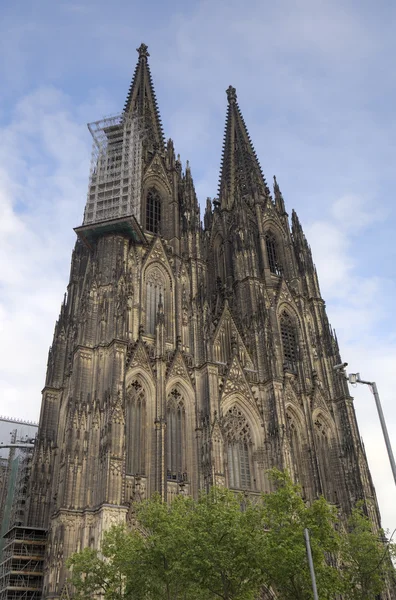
x=116 y=169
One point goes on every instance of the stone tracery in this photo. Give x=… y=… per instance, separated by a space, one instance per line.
x=239 y=444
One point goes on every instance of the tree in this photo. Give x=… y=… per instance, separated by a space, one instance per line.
x=367 y=561
x=116 y=573
x=286 y=516
x=224 y=555
x=224 y=546
x=190 y=550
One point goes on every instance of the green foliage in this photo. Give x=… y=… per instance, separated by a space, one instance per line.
x=223 y=546
x=286 y=517
x=367 y=561
x=116 y=572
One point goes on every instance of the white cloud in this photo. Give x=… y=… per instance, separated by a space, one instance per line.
x=43 y=181
x=356 y=305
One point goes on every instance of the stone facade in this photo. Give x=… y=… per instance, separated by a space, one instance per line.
x=189 y=354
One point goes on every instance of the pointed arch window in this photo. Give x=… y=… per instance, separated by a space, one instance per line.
x=219 y=257
x=155 y=289
x=324 y=459
x=296 y=447
x=153 y=211
x=289 y=340
x=176 y=437
x=136 y=430
x=239 y=444
x=273 y=254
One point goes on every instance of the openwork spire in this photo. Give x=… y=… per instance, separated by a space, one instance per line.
x=279 y=202
x=141 y=100
x=303 y=250
x=241 y=177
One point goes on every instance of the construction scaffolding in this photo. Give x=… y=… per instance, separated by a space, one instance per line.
x=18 y=509
x=115 y=176
x=14 y=474
x=21 y=571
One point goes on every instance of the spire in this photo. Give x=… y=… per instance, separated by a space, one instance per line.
x=303 y=249
x=141 y=100
x=241 y=173
x=279 y=202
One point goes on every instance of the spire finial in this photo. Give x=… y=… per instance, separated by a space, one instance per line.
x=143 y=51
x=231 y=94
x=241 y=176
x=141 y=101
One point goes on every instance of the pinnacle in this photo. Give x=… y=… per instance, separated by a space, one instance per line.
x=231 y=94
x=241 y=175
x=143 y=51
x=141 y=100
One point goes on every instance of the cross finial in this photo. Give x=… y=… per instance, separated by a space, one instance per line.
x=231 y=94
x=143 y=51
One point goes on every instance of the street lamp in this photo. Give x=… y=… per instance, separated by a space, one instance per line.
x=310 y=563
x=355 y=378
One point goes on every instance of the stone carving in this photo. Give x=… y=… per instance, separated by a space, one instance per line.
x=235 y=425
x=156 y=170
x=138 y=357
x=236 y=382
x=178 y=369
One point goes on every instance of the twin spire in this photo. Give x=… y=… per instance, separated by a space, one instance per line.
x=241 y=177
x=141 y=100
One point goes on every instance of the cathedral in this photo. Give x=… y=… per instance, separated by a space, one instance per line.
x=187 y=353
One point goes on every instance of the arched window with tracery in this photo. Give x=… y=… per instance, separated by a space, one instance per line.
x=296 y=448
x=219 y=258
x=289 y=340
x=327 y=470
x=136 y=426
x=153 y=211
x=273 y=254
x=176 y=437
x=239 y=444
x=155 y=290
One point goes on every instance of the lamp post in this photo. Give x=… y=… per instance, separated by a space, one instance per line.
x=355 y=378
x=310 y=563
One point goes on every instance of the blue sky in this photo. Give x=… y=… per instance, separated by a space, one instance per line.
x=316 y=84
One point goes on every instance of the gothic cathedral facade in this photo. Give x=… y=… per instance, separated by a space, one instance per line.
x=186 y=354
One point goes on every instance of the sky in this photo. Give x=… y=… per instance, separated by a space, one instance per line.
x=316 y=84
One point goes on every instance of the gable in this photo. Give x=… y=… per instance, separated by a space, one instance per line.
x=178 y=368
x=236 y=383
x=156 y=171
x=284 y=294
x=137 y=357
x=271 y=217
x=157 y=253
x=226 y=335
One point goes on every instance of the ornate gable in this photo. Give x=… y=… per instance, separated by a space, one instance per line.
x=157 y=253
x=235 y=382
x=156 y=171
x=271 y=214
x=284 y=294
x=137 y=357
x=216 y=433
x=318 y=401
x=117 y=413
x=178 y=368
x=291 y=394
x=226 y=329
